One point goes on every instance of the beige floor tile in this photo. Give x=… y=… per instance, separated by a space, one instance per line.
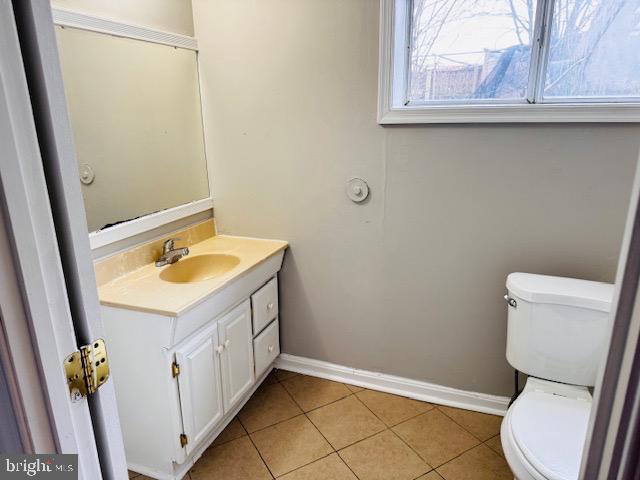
x=269 y=405
x=479 y=463
x=383 y=457
x=354 y=388
x=232 y=431
x=435 y=437
x=283 y=374
x=392 y=409
x=133 y=474
x=432 y=475
x=290 y=445
x=312 y=392
x=327 y=468
x=481 y=425
x=495 y=444
x=345 y=422
x=234 y=460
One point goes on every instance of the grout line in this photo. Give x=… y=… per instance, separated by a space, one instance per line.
x=348 y=466
x=413 y=450
x=492 y=449
x=387 y=427
x=457 y=456
x=306 y=464
x=390 y=428
x=325 y=438
x=227 y=441
x=362 y=439
x=392 y=431
x=296 y=416
x=425 y=473
x=326 y=404
x=261 y=457
x=277 y=423
x=410 y=418
x=321 y=434
x=463 y=427
x=403 y=421
x=316 y=408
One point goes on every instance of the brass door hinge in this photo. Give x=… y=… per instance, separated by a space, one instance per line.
x=87 y=369
x=183 y=440
x=175 y=369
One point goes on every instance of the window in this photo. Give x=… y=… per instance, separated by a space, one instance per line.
x=509 y=61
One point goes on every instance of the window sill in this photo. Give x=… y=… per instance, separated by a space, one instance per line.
x=496 y=113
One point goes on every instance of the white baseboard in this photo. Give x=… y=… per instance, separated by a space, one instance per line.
x=428 y=392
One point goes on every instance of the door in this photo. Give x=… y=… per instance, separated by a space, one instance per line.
x=236 y=340
x=46 y=216
x=65 y=209
x=39 y=274
x=199 y=383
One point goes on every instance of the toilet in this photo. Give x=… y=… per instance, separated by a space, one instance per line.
x=557 y=334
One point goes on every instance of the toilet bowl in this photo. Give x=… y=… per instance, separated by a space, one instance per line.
x=545 y=429
x=557 y=335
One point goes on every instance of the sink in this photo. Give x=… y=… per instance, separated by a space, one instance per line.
x=199 y=268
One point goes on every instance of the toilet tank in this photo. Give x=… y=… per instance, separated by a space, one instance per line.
x=557 y=327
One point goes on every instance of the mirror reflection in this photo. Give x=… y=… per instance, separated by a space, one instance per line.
x=136 y=117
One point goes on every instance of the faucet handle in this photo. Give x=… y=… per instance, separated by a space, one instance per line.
x=168 y=243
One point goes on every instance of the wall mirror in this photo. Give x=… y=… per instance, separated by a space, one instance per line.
x=136 y=117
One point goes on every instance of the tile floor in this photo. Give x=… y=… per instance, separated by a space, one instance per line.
x=297 y=427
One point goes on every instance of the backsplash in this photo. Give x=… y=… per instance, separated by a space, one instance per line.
x=124 y=262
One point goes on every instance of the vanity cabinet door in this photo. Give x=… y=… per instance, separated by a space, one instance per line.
x=199 y=384
x=236 y=360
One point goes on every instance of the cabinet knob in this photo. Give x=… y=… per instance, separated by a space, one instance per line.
x=227 y=343
x=270 y=348
x=270 y=306
x=219 y=349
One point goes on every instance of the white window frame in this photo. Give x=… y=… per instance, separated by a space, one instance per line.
x=395 y=23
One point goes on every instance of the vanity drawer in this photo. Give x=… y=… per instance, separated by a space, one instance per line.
x=266 y=347
x=265 y=305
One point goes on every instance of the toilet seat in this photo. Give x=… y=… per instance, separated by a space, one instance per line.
x=544 y=432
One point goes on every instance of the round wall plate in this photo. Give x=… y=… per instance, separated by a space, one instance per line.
x=86 y=174
x=357 y=190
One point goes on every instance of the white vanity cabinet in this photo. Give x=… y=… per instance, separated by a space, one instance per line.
x=197 y=369
x=236 y=354
x=180 y=379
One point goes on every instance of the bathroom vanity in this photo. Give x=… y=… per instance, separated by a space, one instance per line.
x=188 y=344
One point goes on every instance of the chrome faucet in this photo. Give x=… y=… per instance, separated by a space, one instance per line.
x=169 y=255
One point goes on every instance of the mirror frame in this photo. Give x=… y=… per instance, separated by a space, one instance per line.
x=145 y=223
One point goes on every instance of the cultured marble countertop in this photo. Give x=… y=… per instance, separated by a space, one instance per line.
x=144 y=290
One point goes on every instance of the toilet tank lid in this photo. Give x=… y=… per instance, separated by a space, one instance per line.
x=560 y=290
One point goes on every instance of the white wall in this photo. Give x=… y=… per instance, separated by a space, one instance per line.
x=167 y=15
x=411 y=282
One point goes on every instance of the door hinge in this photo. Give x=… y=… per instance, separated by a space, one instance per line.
x=175 y=369
x=86 y=369
x=183 y=440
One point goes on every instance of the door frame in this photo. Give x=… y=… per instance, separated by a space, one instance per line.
x=39 y=48
x=34 y=247
x=55 y=277
x=26 y=397
x=613 y=440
